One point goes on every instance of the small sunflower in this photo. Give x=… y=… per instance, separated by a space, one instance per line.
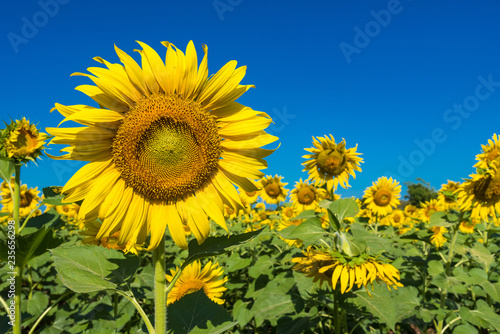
x=428 y=208
x=30 y=198
x=446 y=197
x=491 y=152
x=287 y=213
x=359 y=271
x=249 y=197
x=22 y=141
x=91 y=230
x=383 y=196
x=273 y=190
x=481 y=194
x=397 y=218
x=467 y=227
x=166 y=146
x=194 y=278
x=438 y=239
x=331 y=163
x=306 y=196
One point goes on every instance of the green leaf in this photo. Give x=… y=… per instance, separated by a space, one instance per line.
x=407 y=300
x=435 y=268
x=344 y=207
x=29 y=246
x=380 y=305
x=484 y=316
x=482 y=255
x=52 y=197
x=93 y=268
x=373 y=242
x=195 y=313
x=263 y=266
x=437 y=219
x=38 y=303
x=465 y=329
x=7 y=169
x=49 y=219
x=213 y=246
x=305 y=215
x=309 y=231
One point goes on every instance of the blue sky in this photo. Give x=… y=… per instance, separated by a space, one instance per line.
x=415 y=83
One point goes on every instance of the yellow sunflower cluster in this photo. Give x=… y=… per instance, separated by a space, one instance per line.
x=361 y=271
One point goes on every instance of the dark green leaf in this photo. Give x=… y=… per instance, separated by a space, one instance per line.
x=53 y=197
x=213 y=246
x=380 y=305
x=465 y=329
x=196 y=313
x=484 y=316
x=94 y=268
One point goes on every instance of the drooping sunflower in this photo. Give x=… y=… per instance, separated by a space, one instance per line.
x=331 y=163
x=194 y=278
x=30 y=198
x=481 y=194
x=491 y=152
x=306 y=196
x=360 y=271
x=446 y=197
x=273 y=190
x=22 y=141
x=165 y=146
x=438 y=239
x=383 y=196
x=467 y=227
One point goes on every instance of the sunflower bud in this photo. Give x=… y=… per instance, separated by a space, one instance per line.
x=21 y=141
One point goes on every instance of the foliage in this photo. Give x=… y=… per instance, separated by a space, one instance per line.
x=419 y=192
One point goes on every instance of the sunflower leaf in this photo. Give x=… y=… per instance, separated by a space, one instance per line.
x=52 y=197
x=484 y=316
x=344 y=208
x=196 y=314
x=87 y=269
x=6 y=169
x=213 y=246
x=438 y=219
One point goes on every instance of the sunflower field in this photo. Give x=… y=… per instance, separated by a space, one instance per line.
x=172 y=226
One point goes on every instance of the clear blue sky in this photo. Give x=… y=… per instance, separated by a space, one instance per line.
x=415 y=83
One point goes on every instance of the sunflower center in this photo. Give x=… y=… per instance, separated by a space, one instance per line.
x=487 y=190
x=382 y=197
x=331 y=162
x=190 y=286
x=306 y=195
x=288 y=212
x=26 y=199
x=167 y=147
x=273 y=190
x=25 y=140
x=397 y=218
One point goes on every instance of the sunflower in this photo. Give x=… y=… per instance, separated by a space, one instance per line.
x=467 y=227
x=360 y=271
x=273 y=190
x=194 y=278
x=331 y=163
x=428 y=208
x=249 y=197
x=287 y=213
x=383 y=196
x=306 y=196
x=22 y=141
x=164 y=148
x=446 y=197
x=438 y=238
x=481 y=194
x=397 y=218
x=91 y=228
x=491 y=152
x=30 y=198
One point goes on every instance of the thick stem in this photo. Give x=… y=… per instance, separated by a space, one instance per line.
x=19 y=269
x=160 y=288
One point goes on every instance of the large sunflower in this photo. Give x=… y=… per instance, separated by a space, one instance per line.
x=306 y=197
x=331 y=162
x=194 y=278
x=383 y=196
x=273 y=190
x=481 y=194
x=491 y=152
x=165 y=146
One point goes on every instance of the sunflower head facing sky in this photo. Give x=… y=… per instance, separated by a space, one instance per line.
x=21 y=141
x=306 y=196
x=273 y=190
x=165 y=147
x=331 y=163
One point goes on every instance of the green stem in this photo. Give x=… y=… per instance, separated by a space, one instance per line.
x=19 y=269
x=143 y=314
x=4 y=304
x=336 y=317
x=160 y=288
x=29 y=216
x=32 y=330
